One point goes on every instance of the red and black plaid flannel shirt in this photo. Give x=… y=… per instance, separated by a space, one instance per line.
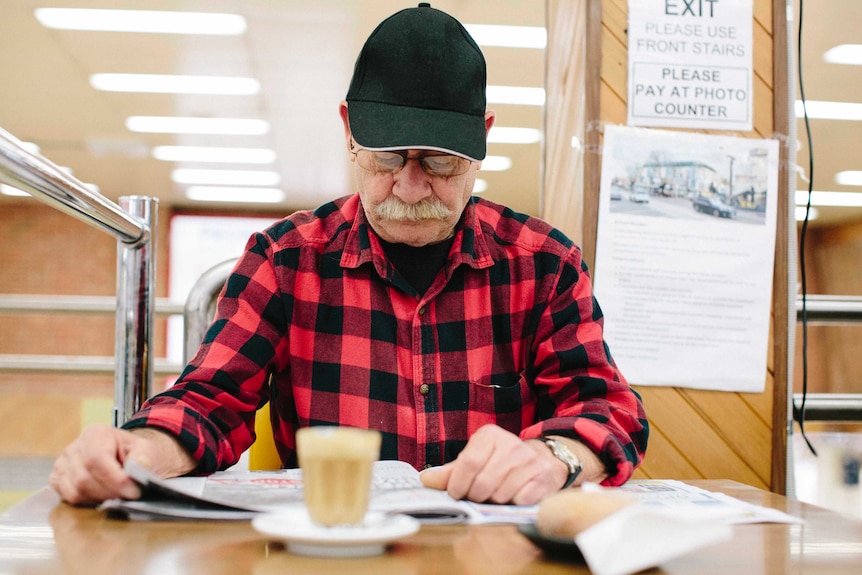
x=509 y=333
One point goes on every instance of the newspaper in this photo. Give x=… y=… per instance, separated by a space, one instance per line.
x=240 y=495
x=396 y=488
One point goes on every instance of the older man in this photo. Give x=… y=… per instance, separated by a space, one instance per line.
x=466 y=333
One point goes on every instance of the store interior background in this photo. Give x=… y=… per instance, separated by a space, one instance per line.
x=302 y=53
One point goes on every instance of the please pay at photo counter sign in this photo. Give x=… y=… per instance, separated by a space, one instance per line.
x=690 y=64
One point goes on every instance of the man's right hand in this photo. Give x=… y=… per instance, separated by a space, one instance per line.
x=90 y=469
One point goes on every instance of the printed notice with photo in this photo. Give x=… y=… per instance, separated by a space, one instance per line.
x=684 y=257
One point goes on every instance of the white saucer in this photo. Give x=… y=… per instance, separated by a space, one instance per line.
x=303 y=537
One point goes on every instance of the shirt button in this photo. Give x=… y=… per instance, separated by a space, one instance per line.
x=427 y=466
x=424 y=388
x=421 y=311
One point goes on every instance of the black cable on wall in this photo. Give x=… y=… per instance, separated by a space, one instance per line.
x=799 y=411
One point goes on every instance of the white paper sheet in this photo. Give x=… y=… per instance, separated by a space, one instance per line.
x=686 y=292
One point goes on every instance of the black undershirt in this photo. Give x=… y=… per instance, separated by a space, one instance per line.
x=419 y=266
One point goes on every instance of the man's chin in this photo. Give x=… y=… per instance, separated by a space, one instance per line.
x=413 y=233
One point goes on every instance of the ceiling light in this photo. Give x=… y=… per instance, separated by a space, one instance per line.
x=844 y=54
x=11 y=191
x=226 y=177
x=496 y=163
x=519 y=95
x=508 y=36
x=211 y=154
x=175 y=84
x=836 y=199
x=480 y=186
x=235 y=194
x=501 y=135
x=152 y=21
x=829 y=110
x=849 y=178
x=800 y=214
x=178 y=125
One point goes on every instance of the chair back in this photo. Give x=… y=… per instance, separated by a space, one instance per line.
x=198 y=314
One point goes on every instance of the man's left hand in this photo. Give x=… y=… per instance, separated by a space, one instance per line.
x=498 y=466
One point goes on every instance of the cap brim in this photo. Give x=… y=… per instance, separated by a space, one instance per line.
x=388 y=127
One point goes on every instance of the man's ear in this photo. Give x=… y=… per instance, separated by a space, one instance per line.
x=342 y=111
x=490 y=116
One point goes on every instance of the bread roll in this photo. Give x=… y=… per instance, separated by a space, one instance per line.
x=567 y=513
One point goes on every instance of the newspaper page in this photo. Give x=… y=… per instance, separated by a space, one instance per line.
x=240 y=495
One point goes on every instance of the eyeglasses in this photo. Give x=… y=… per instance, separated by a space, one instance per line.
x=437 y=165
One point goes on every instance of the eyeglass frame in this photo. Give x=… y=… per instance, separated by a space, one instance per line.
x=355 y=148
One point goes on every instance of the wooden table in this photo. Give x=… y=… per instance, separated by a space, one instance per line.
x=43 y=536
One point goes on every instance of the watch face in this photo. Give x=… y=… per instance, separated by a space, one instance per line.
x=564 y=454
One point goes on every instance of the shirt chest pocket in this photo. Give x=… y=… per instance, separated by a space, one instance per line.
x=500 y=395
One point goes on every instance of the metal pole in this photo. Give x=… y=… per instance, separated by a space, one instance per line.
x=136 y=271
x=47 y=182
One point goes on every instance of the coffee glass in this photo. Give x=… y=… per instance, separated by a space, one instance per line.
x=337 y=466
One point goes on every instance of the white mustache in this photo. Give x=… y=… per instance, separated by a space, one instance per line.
x=393 y=208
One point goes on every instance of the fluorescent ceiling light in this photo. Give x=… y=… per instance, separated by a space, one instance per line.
x=813 y=214
x=520 y=95
x=849 y=178
x=502 y=135
x=829 y=110
x=151 y=21
x=226 y=177
x=835 y=199
x=178 y=125
x=10 y=191
x=844 y=54
x=175 y=84
x=480 y=186
x=496 y=163
x=508 y=36
x=212 y=154
x=235 y=194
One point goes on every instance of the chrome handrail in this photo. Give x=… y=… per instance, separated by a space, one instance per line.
x=830 y=308
x=96 y=364
x=831 y=406
x=47 y=182
x=75 y=304
x=133 y=224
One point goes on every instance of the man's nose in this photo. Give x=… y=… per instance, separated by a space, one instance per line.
x=411 y=183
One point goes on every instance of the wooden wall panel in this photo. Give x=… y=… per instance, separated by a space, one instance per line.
x=696 y=433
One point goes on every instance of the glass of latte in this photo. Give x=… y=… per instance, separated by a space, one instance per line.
x=337 y=465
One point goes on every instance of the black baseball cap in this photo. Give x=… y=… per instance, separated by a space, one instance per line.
x=419 y=83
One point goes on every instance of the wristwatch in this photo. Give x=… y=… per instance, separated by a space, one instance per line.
x=562 y=452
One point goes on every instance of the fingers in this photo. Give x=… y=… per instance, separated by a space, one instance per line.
x=499 y=467
x=90 y=470
x=436 y=477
